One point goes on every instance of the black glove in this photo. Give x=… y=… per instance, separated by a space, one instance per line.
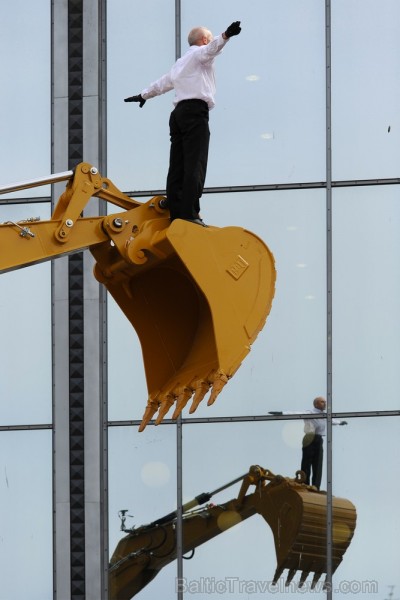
x=233 y=29
x=136 y=99
x=275 y=413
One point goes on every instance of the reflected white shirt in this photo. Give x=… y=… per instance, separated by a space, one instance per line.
x=316 y=426
x=192 y=76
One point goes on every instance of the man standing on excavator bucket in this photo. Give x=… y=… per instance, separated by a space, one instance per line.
x=193 y=79
x=313 y=449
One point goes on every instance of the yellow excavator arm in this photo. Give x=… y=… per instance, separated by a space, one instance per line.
x=296 y=513
x=197 y=297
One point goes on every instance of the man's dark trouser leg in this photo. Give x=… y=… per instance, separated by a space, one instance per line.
x=317 y=461
x=190 y=136
x=307 y=456
x=175 y=172
x=312 y=459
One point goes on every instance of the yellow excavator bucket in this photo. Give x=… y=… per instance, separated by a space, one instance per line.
x=197 y=298
x=297 y=515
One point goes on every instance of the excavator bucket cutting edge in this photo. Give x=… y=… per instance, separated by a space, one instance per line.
x=197 y=298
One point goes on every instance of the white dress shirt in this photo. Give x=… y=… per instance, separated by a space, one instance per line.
x=192 y=76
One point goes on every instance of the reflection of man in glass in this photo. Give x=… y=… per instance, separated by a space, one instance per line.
x=193 y=79
x=314 y=432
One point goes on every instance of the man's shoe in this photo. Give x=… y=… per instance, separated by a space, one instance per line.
x=163 y=203
x=197 y=221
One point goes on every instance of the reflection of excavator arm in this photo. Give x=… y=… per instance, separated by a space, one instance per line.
x=197 y=297
x=295 y=512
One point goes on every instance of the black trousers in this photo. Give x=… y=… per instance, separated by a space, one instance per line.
x=190 y=136
x=313 y=454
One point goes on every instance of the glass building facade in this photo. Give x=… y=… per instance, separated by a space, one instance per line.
x=305 y=148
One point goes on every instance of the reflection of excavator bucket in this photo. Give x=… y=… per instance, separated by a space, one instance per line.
x=297 y=515
x=197 y=298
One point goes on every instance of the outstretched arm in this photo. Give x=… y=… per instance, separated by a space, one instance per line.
x=161 y=86
x=215 y=47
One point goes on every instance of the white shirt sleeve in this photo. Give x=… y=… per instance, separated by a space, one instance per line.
x=161 y=86
x=211 y=50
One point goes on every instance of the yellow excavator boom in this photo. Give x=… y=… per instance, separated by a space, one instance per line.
x=197 y=297
x=296 y=513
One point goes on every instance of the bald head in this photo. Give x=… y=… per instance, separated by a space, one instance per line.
x=320 y=403
x=199 y=36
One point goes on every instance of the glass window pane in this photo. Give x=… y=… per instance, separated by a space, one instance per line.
x=287 y=363
x=127 y=396
x=269 y=121
x=142 y=481
x=127 y=389
x=25 y=95
x=365 y=92
x=365 y=459
x=240 y=560
x=366 y=297
x=140 y=48
x=25 y=323
x=26 y=553
x=286 y=367
x=277 y=106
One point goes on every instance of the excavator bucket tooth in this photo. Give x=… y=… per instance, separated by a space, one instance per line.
x=151 y=408
x=303 y=577
x=200 y=392
x=196 y=296
x=277 y=575
x=219 y=383
x=290 y=576
x=182 y=399
x=297 y=516
x=165 y=405
x=316 y=578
